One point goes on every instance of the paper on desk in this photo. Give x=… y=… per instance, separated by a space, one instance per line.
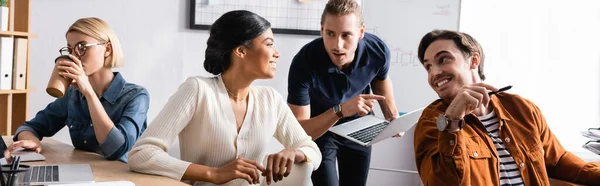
x=107 y=183
x=592 y=134
x=594 y=147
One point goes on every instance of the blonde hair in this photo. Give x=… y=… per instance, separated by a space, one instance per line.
x=99 y=30
x=342 y=7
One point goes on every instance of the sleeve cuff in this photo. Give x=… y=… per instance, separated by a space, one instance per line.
x=299 y=102
x=311 y=157
x=113 y=142
x=152 y=160
x=25 y=128
x=447 y=142
x=381 y=78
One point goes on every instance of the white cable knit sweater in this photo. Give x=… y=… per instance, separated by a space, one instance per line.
x=200 y=112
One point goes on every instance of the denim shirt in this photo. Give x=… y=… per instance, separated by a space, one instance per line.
x=126 y=104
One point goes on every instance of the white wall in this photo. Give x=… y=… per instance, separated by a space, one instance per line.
x=548 y=50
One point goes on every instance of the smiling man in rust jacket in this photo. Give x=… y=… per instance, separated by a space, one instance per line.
x=472 y=137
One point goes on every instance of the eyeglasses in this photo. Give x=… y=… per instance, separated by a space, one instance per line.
x=80 y=48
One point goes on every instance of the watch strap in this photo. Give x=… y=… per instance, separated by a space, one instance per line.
x=338 y=111
x=455 y=124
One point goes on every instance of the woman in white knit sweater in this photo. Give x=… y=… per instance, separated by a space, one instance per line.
x=224 y=124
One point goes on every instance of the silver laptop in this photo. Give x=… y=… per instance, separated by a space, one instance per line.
x=49 y=174
x=59 y=174
x=370 y=129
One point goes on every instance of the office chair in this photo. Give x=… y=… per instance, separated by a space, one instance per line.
x=300 y=176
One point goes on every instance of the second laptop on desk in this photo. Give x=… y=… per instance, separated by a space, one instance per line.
x=50 y=174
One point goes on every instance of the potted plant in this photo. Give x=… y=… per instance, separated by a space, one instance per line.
x=3 y=15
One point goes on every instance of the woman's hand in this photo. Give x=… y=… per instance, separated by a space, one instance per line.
x=34 y=145
x=239 y=168
x=279 y=165
x=74 y=70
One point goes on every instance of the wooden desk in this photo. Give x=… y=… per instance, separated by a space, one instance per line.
x=60 y=153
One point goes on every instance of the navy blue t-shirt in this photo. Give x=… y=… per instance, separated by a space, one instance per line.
x=314 y=80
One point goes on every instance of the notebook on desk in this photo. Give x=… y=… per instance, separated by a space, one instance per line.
x=369 y=129
x=26 y=155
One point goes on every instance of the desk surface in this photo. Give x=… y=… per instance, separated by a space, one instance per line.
x=60 y=153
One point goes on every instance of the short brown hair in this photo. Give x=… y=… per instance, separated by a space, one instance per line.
x=99 y=30
x=465 y=43
x=342 y=7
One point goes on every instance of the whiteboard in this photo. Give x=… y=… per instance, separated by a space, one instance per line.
x=401 y=24
x=286 y=16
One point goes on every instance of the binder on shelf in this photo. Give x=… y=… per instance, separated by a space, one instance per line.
x=6 y=62
x=3 y=18
x=20 y=64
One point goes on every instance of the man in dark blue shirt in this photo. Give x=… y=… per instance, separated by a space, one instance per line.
x=329 y=83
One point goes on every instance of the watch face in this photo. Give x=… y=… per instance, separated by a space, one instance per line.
x=441 y=123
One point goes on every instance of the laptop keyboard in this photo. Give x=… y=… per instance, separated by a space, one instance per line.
x=42 y=173
x=366 y=135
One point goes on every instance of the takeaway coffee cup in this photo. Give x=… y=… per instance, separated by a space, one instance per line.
x=57 y=85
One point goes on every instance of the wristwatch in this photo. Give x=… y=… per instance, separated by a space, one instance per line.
x=443 y=121
x=338 y=111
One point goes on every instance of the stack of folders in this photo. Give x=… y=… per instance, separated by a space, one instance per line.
x=594 y=143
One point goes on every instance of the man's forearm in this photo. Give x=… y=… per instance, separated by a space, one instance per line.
x=317 y=126
x=388 y=106
x=437 y=154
